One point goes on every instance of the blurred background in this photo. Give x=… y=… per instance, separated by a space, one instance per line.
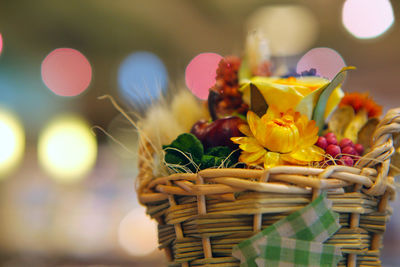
x=67 y=195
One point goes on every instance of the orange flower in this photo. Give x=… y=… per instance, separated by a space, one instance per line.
x=278 y=138
x=362 y=101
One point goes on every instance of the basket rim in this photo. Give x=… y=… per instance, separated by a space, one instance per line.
x=279 y=179
x=370 y=173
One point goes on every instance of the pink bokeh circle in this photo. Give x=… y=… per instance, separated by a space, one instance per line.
x=326 y=61
x=66 y=72
x=367 y=18
x=200 y=74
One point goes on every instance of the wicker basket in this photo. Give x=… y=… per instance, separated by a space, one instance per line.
x=202 y=216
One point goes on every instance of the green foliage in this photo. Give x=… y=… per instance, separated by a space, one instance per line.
x=187 y=152
x=319 y=110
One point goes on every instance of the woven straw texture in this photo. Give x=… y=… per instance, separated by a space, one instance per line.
x=202 y=216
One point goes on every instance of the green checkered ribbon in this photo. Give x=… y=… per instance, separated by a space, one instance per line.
x=296 y=240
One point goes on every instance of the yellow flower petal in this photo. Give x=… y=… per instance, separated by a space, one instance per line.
x=252 y=120
x=252 y=158
x=307 y=104
x=257 y=128
x=333 y=101
x=240 y=140
x=251 y=145
x=248 y=144
x=245 y=129
x=282 y=96
x=277 y=138
x=308 y=132
x=304 y=156
x=281 y=136
x=272 y=159
x=299 y=93
x=272 y=113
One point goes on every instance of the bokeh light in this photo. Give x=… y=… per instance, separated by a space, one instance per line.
x=12 y=142
x=200 y=73
x=66 y=72
x=67 y=148
x=326 y=61
x=290 y=29
x=142 y=78
x=1 y=43
x=367 y=18
x=137 y=233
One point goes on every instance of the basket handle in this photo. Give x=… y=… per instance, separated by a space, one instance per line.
x=382 y=150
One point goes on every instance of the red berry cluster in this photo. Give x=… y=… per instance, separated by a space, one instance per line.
x=227 y=72
x=229 y=98
x=344 y=153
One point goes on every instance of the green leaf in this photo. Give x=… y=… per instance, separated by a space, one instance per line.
x=186 y=150
x=174 y=158
x=214 y=156
x=181 y=162
x=219 y=151
x=319 y=110
x=220 y=154
x=306 y=105
x=208 y=161
x=189 y=144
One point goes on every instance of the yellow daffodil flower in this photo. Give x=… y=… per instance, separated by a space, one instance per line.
x=300 y=94
x=278 y=138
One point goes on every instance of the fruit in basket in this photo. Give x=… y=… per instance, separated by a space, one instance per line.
x=346 y=142
x=344 y=153
x=224 y=98
x=359 y=148
x=218 y=132
x=346 y=160
x=333 y=150
x=322 y=142
x=356 y=118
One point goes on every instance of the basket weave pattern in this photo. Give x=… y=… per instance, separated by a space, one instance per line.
x=202 y=216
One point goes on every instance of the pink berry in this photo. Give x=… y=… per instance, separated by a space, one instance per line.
x=346 y=142
x=327 y=135
x=359 y=148
x=331 y=140
x=348 y=161
x=349 y=150
x=322 y=143
x=333 y=150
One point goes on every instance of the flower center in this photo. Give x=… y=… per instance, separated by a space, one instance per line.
x=282 y=135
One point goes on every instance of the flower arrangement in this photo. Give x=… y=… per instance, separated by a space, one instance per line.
x=258 y=120
x=278 y=138
x=221 y=175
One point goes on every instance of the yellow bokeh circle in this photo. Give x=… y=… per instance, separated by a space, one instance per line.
x=12 y=142
x=67 y=148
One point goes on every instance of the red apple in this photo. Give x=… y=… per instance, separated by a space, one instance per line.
x=218 y=132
